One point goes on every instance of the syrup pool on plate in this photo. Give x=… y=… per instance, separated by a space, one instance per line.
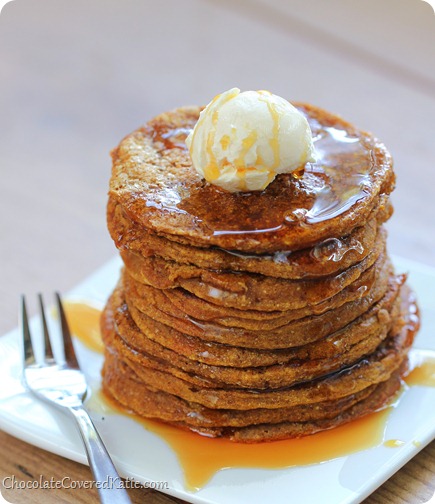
x=201 y=457
x=84 y=323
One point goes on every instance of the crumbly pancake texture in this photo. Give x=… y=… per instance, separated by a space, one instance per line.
x=254 y=316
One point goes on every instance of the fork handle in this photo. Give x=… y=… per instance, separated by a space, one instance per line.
x=101 y=464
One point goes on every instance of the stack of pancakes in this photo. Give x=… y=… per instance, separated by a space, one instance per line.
x=254 y=316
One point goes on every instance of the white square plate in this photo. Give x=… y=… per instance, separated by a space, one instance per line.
x=144 y=456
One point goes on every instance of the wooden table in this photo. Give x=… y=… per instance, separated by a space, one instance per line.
x=77 y=76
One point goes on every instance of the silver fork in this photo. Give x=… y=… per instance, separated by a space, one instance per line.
x=62 y=384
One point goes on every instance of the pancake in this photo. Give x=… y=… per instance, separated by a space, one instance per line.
x=325 y=258
x=330 y=354
x=155 y=183
x=256 y=292
x=284 y=430
x=259 y=424
x=372 y=369
x=167 y=274
x=126 y=387
x=295 y=333
x=224 y=354
x=192 y=315
x=261 y=315
x=249 y=426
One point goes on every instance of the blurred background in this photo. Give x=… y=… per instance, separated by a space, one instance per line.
x=77 y=76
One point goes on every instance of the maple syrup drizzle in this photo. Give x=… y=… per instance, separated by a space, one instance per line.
x=201 y=457
x=340 y=177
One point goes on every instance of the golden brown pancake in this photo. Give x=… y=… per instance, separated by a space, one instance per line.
x=155 y=183
x=128 y=389
x=167 y=273
x=196 y=317
x=247 y=291
x=247 y=426
x=325 y=258
x=372 y=369
x=294 y=333
x=254 y=316
x=142 y=328
x=267 y=432
x=343 y=397
x=304 y=363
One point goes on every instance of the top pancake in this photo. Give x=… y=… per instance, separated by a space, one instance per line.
x=155 y=183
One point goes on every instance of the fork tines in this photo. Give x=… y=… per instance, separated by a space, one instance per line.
x=69 y=356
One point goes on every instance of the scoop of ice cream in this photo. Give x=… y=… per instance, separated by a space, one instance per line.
x=243 y=140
